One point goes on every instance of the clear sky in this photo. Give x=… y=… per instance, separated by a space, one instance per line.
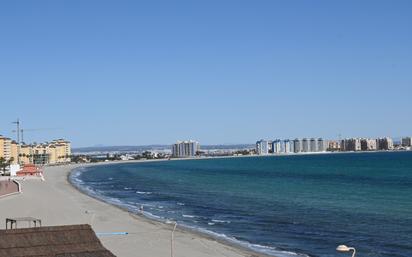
x=224 y=71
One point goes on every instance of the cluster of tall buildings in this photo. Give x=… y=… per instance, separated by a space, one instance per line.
x=54 y=152
x=297 y=145
x=183 y=149
x=366 y=144
x=307 y=145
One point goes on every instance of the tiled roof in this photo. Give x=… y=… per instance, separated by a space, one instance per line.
x=57 y=241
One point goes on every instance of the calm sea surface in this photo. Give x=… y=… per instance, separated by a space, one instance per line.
x=306 y=204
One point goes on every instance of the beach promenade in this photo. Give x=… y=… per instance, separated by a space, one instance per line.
x=56 y=202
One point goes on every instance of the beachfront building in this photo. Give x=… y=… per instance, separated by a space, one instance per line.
x=407 y=141
x=368 y=144
x=270 y=146
x=351 y=144
x=313 y=145
x=262 y=147
x=285 y=146
x=384 y=143
x=297 y=145
x=45 y=153
x=333 y=146
x=292 y=146
x=183 y=149
x=55 y=152
x=305 y=145
x=321 y=145
x=276 y=146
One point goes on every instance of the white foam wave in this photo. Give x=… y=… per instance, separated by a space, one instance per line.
x=221 y=221
x=143 y=193
x=255 y=247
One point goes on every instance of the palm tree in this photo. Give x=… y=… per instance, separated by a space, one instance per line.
x=3 y=164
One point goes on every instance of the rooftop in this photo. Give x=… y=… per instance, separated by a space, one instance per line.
x=56 y=241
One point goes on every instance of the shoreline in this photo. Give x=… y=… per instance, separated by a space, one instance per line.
x=244 y=250
x=57 y=202
x=249 y=251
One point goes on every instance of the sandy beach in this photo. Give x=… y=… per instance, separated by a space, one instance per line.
x=56 y=202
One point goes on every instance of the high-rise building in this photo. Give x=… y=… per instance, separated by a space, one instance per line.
x=297 y=145
x=292 y=146
x=407 y=141
x=185 y=149
x=313 y=146
x=368 y=144
x=384 y=143
x=321 y=145
x=286 y=146
x=262 y=147
x=270 y=146
x=305 y=145
x=14 y=150
x=351 y=144
x=5 y=148
x=276 y=146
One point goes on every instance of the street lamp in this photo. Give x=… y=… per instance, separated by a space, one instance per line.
x=344 y=248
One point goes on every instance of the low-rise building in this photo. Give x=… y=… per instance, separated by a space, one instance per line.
x=334 y=146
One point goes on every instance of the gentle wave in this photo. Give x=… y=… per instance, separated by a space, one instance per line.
x=221 y=221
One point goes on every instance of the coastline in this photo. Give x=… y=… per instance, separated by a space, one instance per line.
x=224 y=242
x=57 y=202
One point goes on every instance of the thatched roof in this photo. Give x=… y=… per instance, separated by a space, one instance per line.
x=58 y=241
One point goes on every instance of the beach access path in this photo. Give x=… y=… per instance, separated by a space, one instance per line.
x=56 y=202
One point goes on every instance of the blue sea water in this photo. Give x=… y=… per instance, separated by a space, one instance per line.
x=280 y=205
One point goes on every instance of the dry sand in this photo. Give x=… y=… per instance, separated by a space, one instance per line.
x=56 y=202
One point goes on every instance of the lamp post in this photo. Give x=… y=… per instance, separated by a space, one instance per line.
x=174 y=223
x=344 y=248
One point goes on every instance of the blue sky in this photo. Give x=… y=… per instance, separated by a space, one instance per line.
x=153 y=72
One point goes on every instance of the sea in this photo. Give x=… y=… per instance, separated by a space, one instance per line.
x=297 y=205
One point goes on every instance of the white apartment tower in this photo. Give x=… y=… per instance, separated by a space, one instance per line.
x=262 y=147
x=185 y=149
